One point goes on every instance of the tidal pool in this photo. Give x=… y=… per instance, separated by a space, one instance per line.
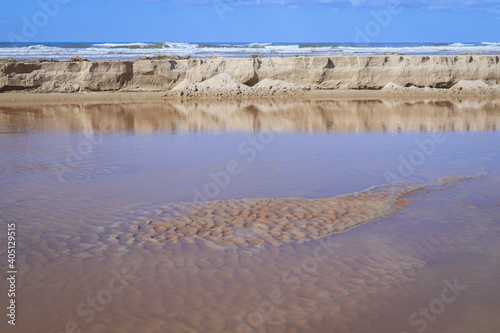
x=228 y=217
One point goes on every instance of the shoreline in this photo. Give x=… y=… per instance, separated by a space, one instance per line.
x=396 y=76
x=11 y=98
x=163 y=57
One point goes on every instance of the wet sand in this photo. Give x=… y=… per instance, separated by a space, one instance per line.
x=370 y=279
x=226 y=223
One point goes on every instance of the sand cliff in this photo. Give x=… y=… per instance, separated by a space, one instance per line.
x=258 y=76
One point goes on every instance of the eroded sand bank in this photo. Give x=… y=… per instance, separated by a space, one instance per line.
x=225 y=77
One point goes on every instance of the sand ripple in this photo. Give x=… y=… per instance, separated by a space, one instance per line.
x=255 y=222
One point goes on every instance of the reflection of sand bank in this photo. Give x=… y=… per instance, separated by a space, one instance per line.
x=306 y=116
x=226 y=223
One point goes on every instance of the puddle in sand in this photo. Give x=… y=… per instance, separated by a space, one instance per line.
x=75 y=176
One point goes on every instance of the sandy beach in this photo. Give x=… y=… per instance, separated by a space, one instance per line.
x=220 y=191
x=225 y=166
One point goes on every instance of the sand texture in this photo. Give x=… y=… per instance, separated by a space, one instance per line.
x=255 y=222
x=225 y=77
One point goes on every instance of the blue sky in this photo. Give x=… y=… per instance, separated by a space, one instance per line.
x=250 y=20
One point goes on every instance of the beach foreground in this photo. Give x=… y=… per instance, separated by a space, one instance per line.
x=464 y=75
x=229 y=216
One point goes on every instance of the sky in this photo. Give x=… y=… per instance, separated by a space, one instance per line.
x=327 y=21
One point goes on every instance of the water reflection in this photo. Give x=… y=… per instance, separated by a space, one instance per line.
x=305 y=116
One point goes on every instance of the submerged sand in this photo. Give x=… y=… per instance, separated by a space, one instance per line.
x=256 y=222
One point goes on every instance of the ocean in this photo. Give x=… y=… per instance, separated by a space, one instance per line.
x=112 y=50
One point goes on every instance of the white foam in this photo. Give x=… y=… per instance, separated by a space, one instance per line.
x=138 y=49
x=120 y=44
